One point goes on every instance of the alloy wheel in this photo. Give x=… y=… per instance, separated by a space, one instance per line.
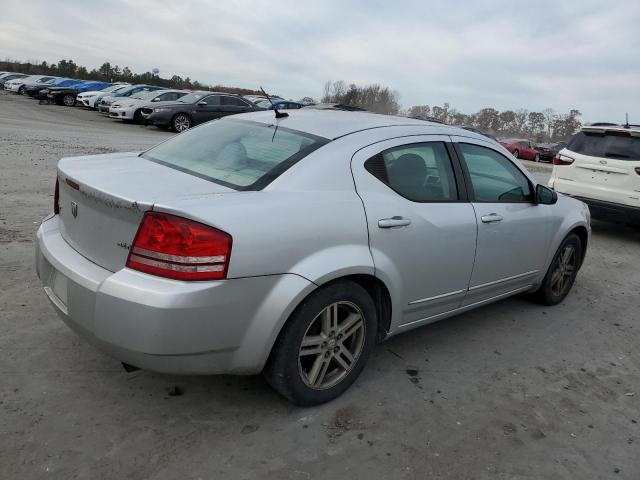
x=564 y=269
x=331 y=345
x=181 y=123
x=68 y=100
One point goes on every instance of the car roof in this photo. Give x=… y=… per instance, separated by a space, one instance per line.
x=611 y=127
x=333 y=124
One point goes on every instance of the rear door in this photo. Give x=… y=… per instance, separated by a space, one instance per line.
x=232 y=105
x=606 y=166
x=513 y=232
x=422 y=229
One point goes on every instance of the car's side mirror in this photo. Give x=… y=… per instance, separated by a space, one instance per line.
x=545 y=196
x=202 y=104
x=155 y=99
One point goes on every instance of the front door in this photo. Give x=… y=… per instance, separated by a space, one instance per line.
x=208 y=108
x=422 y=230
x=513 y=231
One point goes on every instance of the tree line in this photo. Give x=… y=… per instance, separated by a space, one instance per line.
x=114 y=73
x=545 y=126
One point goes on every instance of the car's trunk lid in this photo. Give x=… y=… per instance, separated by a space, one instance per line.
x=104 y=197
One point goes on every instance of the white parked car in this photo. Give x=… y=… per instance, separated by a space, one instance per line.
x=88 y=99
x=129 y=108
x=19 y=85
x=601 y=167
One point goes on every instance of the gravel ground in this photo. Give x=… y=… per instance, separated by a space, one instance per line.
x=513 y=390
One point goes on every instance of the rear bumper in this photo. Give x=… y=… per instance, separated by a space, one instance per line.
x=612 y=211
x=164 y=325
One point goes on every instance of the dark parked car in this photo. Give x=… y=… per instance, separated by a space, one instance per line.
x=547 y=151
x=43 y=93
x=197 y=107
x=34 y=89
x=521 y=148
x=67 y=95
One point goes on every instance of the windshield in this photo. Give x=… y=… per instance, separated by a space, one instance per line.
x=612 y=144
x=192 y=97
x=264 y=103
x=145 y=95
x=239 y=154
x=113 y=88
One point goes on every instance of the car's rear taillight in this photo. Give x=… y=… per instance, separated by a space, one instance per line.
x=179 y=248
x=56 y=198
x=562 y=160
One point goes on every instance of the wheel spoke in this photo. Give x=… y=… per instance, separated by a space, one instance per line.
x=323 y=372
x=349 y=322
x=353 y=329
x=344 y=359
x=330 y=319
x=311 y=345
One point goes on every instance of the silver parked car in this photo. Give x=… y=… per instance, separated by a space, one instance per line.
x=292 y=245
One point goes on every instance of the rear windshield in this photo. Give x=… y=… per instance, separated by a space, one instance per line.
x=618 y=145
x=239 y=154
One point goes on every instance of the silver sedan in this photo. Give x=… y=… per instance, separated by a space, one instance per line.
x=291 y=246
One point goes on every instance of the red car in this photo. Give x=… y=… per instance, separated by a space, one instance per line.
x=522 y=149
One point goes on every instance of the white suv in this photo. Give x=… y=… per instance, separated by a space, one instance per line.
x=601 y=166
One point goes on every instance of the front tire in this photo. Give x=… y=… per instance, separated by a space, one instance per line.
x=69 y=100
x=562 y=272
x=181 y=122
x=324 y=345
x=21 y=90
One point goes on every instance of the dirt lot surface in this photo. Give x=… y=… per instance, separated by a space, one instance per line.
x=511 y=391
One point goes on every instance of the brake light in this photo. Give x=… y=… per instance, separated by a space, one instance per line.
x=562 y=160
x=176 y=247
x=56 y=198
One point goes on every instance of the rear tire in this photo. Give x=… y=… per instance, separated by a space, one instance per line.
x=137 y=117
x=338 y=325
x=562 y=272
x=181 y=122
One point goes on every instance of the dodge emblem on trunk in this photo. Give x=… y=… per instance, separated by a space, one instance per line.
x=74 y=209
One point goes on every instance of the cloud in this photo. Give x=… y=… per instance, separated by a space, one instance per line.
x=504 y=54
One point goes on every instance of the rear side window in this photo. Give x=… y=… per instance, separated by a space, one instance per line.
x=493 y=177
x=239 y=154
x=234 y=102
x=419 y=172
x=617 y=145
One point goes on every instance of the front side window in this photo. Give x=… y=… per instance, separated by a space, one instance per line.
x=421 y=172
x=493 y=177
x=212 y=100
x=239 y=154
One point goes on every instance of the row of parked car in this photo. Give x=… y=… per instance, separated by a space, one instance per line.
x=150 y=104
x=527 y=150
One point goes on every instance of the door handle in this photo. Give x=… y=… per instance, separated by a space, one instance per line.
x=392 y=222
x=491 y=218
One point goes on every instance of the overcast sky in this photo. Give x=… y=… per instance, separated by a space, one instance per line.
x=473 y=54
